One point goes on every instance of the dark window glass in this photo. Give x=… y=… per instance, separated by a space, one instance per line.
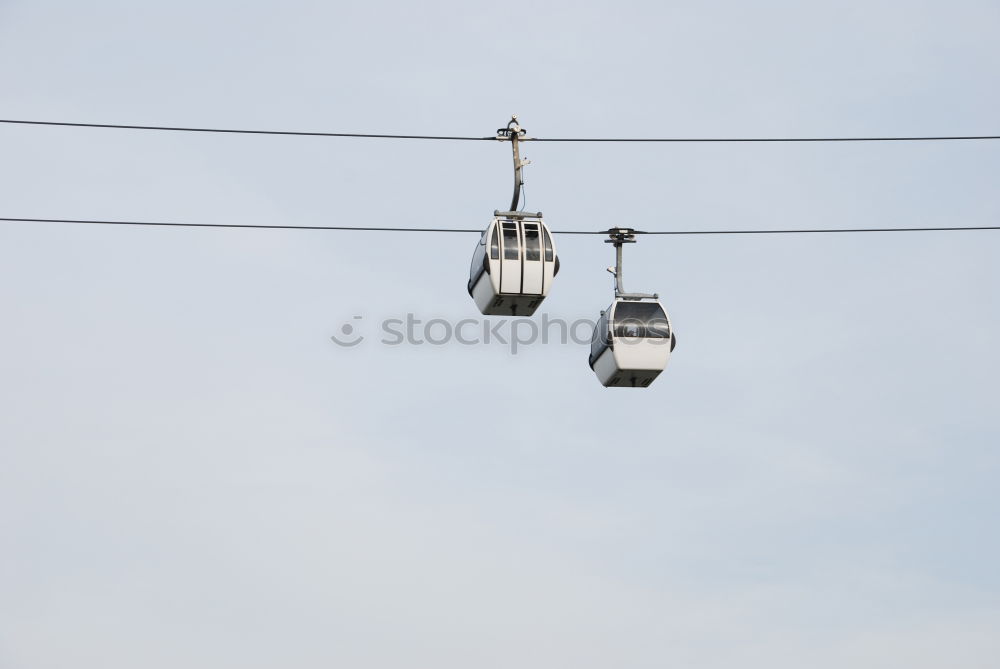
x=532 y=248
x=477 y=261
x=548 y=246
x=641 y=319
x=495 y=245
x=510 y=242
x=599 y=342
x=478 y=264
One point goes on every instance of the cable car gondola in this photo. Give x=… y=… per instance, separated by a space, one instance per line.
x=632 y=342
x=513 y=265
x=515 y=261
x=633 y=338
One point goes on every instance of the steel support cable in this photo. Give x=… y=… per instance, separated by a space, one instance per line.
x=123 y=126
x=252 y=226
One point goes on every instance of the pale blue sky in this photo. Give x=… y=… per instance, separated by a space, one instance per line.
x=192 y=474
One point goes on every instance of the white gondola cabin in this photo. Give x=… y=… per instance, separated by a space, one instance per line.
x=513 y=266
x=632 y=342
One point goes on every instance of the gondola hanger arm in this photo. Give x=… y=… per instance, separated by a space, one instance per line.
x=619 y=237
x=514 y=133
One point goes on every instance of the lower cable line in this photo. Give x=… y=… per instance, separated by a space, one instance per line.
x=171 y=224
x=350 y=228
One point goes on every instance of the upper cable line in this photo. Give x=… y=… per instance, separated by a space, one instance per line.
x=238 y=131
x=303 y=133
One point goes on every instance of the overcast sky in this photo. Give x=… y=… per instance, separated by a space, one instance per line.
x=192 y=474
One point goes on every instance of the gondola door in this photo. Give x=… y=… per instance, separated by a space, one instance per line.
x=534 y=269
x=510 y=250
